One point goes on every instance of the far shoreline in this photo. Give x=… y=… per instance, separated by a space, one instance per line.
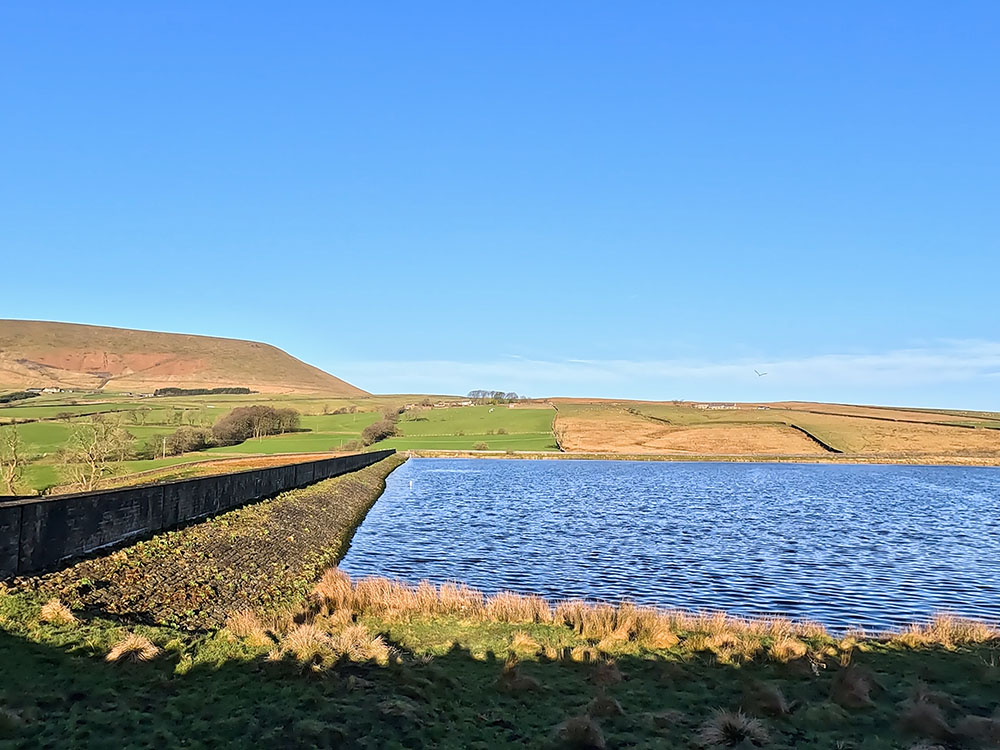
x=933 y=461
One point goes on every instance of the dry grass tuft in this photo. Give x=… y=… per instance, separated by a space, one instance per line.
x=733 y=647
x=248 y=626
x=381 y=596
x=56 y=613
x=654 y=630
x=925 y=720
x=604 y=705
x=459 y=599
x=852 y=687
x=946 y=630
x=765 y=698
x=522 y=643
x=307 y=643
x=605 y=673
x=131 y=649
x=580 y=732
x=583 y=654
x=515 y=608
x=512 y=681
x=786 y=648
x=732 y=729
x=334 y=591
x=357 y=644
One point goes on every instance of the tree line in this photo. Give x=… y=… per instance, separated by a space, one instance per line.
x=496 y=397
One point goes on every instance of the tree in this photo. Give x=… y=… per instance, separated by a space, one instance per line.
x=380 y=430
x=245 y=422
x=560 y=432
x=187 y=439
x=11 y=459
x=94 y=449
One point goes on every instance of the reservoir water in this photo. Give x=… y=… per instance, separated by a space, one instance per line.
x=849 y=546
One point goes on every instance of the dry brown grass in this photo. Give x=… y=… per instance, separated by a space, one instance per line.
x=522 y=643
x=307 y=643
x=732 y=729
x=56 y=613
x=512 y=681
x=765 y=698
x=604 y=706
x=337 y=602
x=926 y=720
x=580 y=732
x=459 y=599
x=947 y=631
x=247 y=625
x=786 y=649
x=131 y=649
x=852 y=687
x=334 y=591
x=515 y=608
x=357 y=644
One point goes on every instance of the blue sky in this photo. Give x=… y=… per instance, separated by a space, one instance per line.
x=641 y=200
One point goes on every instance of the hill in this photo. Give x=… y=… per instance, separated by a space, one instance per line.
x=68 y=355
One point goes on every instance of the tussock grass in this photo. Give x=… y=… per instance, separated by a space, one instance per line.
x=334 y=590
x=247 y=625
x=580 y=732
x=732 y=640
x=56 y=613
x=522 y=643
x=306 y=643
x=329 y=638
x=732 y=729
x=947 y=631
x=515 y=608
x=131 y=649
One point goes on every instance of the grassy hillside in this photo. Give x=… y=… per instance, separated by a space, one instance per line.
x=780 y=431
x=67 y=355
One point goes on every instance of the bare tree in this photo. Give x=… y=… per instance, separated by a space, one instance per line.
x=11 y=460
x=94 y=449
x=560 y=433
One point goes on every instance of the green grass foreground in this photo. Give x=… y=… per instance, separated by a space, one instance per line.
x=380 y=665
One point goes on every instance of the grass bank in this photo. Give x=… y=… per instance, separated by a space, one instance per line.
x=373 y=664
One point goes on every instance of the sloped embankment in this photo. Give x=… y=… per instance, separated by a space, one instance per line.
x=262 y=556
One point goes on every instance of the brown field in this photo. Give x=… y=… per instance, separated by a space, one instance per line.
x=852 y=432
x=597 y=430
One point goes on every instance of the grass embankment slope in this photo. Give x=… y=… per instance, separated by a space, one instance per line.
x=68 y=355
x=138 y=658
x=258 y=555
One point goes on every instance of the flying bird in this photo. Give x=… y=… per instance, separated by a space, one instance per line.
x=760 y=374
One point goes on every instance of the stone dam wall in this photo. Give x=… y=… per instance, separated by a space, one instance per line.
x=39 y=534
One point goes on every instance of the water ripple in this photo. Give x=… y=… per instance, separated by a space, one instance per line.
x=849 y=546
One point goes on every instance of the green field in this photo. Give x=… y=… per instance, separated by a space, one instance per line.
x=463 y=428
x=326 y=432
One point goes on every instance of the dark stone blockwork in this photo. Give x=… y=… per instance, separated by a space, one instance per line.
x=40 y=533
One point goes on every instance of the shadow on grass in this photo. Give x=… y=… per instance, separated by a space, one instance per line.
x=198 y=694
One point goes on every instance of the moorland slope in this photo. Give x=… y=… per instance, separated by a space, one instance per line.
x=69 y=355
